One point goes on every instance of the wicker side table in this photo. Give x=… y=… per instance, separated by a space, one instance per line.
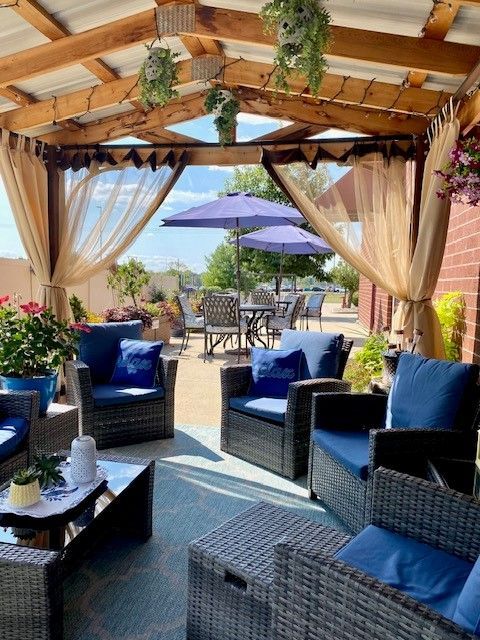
x=55 y=431
x=231 y=572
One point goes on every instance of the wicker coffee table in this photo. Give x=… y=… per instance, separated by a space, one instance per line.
x=231 y=572
x=35 y=554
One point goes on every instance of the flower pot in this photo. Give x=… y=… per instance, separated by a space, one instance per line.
x=45 y=385
x=390 y=363
x=24 y=495
x=164 y=330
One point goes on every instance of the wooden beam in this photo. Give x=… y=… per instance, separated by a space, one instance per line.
x=132 y=123
x=164 y=136
x=469 y=114
x=235 y=26
x=53 y=187
x=292 y=132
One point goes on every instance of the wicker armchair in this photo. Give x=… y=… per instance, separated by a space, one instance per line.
x=275 y=324
x=116 y=424
x=18 y=404
x=319 y=597
x=283 y=446
x=362 y=415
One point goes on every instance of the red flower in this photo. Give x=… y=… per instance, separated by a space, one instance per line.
x=80 y=326
x=32 y=307
x=4 y=299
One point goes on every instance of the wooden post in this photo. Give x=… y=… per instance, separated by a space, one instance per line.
x=53 y=206
x=417 y=197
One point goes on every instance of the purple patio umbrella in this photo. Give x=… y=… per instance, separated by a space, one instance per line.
x=285 y=240
x=236 y=211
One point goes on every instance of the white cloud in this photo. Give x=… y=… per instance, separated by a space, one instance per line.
x=179 y=196
x=215 y=167
x=256 y=120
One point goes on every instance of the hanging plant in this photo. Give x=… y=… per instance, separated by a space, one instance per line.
x=461 y=176
x=157 y=76
x=225 y=107
x=303 y=36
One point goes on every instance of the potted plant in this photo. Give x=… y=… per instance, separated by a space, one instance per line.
x=157 y=76
x=24 y=488
x=33 y=345
x=48 y=471
x=461 y=176
x=125 y=314
x=303 y=36
x=225 y=107
x=164 y=317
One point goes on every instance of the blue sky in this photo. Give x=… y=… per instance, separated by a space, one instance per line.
x=160 y=247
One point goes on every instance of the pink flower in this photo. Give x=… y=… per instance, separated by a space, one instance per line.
x=80 y=326
x=4 y=299
x=32 y=307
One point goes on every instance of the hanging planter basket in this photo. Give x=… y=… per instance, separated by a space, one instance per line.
x=157 y=76
x=461 y=176
x=224 y=106
x=303 y=35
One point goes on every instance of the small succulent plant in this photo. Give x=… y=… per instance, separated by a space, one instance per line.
x=25 y=476
x=48 y=470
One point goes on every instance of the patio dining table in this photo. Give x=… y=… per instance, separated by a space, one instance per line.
x=254 y=313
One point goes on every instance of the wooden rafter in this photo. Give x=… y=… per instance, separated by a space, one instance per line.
x=235 y=26
x=294 y=131
x=240 y=74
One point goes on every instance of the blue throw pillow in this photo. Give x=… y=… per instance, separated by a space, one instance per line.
x=137 y=362
x=467 y=611
x=321 y=352
x=428 y=392
x=273 y=371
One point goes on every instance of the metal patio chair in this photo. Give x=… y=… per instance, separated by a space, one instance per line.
x=190 y=321
x=220 y=315
x=313 y=309
x=276 y=323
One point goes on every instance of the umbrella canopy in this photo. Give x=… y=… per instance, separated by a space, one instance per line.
x=236 y=211
x=285 y=239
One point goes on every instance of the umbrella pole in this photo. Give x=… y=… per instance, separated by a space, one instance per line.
x=237 y=235
x=280 y=272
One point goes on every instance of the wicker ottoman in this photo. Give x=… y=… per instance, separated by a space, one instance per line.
x=231 y=573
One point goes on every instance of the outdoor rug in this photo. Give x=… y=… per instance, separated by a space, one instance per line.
x=126 y=590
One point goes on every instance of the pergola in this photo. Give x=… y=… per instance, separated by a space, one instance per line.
x=69 y=78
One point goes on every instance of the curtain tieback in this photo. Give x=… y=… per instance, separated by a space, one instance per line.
x=418 y=301
x=51 y=286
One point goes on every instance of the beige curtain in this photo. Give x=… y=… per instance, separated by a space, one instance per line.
x=25 y=178
x=366 y=218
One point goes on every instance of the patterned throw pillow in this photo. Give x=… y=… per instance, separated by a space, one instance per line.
x=137 y=362
x=273 y=371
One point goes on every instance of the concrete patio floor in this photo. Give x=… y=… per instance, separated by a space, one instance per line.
x=198 y=383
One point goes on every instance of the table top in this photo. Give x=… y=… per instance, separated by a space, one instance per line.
x=57 y=532
x=257 y=307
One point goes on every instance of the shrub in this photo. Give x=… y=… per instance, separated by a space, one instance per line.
x=156 y=293
x=79 y=310
x=450 y=308
x=125 y=314
x=128 y=279
x=93 y=318
x=355 y=298
x=161 y=309
x=367 y=363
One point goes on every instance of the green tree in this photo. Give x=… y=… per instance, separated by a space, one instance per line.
x=128 y=279
x=255 y=180
x=347 y=277
x=221 y=270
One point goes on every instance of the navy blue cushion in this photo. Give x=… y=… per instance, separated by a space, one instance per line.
x=349 y=448
x=428 y=392
x=425 y=573
x=321 y=352
x=272 y=409
x=98 y=349
x=467 y=611
x=12 y=433
x=105 y=395
x=273 y=371
x=137 y=362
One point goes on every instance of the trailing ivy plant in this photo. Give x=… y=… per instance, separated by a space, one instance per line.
x=225 y=107
x=157 y=76
x=303 y=35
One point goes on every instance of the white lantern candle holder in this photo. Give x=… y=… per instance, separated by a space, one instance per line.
x=83 y=463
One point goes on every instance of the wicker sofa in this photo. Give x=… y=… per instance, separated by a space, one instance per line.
x=281 y=446
x=18 y=404
x=358 y=420
x=113 y=424
x=319 y=597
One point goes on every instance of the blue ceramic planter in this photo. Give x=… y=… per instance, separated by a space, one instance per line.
x=45 y=385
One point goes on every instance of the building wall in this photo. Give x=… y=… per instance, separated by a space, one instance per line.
x=375 y=306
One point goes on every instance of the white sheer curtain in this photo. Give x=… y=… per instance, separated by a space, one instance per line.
x=368 y=223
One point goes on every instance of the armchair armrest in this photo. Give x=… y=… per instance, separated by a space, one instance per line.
x=79 y=393
x=319 y=597
x=167 y=373
x=300 y=397
x=348 y=411
x=235 y=380
x=20 y=404
x=427 y=512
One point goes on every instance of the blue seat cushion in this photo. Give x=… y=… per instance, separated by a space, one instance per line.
x=428 y=392
x=321 y=352
x=98 y=349
x=426 y=574
x=106 y=395
x=137 y=362
x=13 y=432
x=273 y=409
x=467 y=611
x=349 y=448
x=273 y=370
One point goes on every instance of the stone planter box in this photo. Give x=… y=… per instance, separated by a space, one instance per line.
x=161 y=330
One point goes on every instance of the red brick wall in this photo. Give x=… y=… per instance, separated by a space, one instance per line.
x=460 y=272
